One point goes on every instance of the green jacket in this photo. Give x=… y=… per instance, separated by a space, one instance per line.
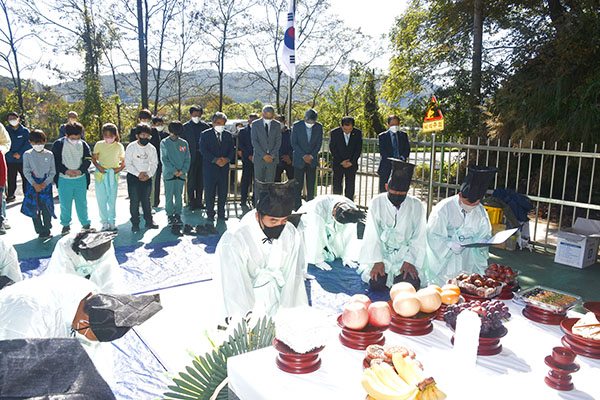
x=175 y=156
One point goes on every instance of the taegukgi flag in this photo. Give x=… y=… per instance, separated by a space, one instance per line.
x=289 y=45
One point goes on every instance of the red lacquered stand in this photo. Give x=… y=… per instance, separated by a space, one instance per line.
x=489 y=345
x=543 y=316
x=559 y=376
x=361 y=339
x=440 y=312
x=579 y=345
x=418 y=325
x=295 y=363
x=507 y=292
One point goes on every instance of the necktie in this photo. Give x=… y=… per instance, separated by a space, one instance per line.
x=219 y=137
x=395 y=145
x=267 y=129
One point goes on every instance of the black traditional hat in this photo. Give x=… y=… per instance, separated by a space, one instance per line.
x=347 y=214
x=477 y=182
x=5 y=281
x=49 y=369
x=276 y=199
x=91 y=244
x=401 y=175
x=111 y=316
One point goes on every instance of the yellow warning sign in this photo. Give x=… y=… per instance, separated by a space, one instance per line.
x=434 y=120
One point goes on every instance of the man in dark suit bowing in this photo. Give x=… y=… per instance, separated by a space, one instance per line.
x=393 y=143
x=307 y=137
x=345 y=145
x=218 y=149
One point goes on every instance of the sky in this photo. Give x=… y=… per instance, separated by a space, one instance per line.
x=374 y=17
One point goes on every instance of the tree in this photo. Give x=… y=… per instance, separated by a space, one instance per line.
x=223 y=25
x=371 y=105
x=11 y=57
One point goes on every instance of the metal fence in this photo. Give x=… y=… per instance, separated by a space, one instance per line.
x=561 y=183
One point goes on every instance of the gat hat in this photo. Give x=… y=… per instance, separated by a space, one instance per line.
x=347 y=214
x=57 y=368
x=112 y=315
x=401 y=175
x=477 y=182
x=91 y=244
x=5 y=281
x=276 y=199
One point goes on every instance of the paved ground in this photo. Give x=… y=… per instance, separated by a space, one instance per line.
x=536 y=267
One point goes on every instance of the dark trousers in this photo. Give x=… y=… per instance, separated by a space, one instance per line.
x=156 y=191
x=43 y=222
x=139 y=192
x=12 y=169
x=195 y=185
x=311 y=175
x=289 y=171
x=383 y=180
x=216 y=184
x=341 y=174
x=247 y=178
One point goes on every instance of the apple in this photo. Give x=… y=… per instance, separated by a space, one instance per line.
x=401 y=287
x=355 y=315
x=360 y=298
x=380 y=314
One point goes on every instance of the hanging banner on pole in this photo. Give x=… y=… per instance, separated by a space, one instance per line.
x=434 y=120
x=288 y=49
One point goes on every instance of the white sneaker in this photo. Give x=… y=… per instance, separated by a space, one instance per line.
x=113 y=227
x=105 y=226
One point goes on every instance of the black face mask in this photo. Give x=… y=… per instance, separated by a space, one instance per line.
x=144 y=141
x=396 y=199
x=271 y=232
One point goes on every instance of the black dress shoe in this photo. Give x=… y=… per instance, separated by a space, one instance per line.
x=135 y=228
x=65 y=230
x=10 y=199
x=151 y=225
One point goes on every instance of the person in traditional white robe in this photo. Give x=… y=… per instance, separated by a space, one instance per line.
x=258 y=272
x=44 y=307
x=394 y=233
x=456 y=221
x=105 y=272
x=9 y=262
x=325 y=238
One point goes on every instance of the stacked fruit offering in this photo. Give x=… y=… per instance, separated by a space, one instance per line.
x=402 y=380
x=363 y=322
x=491 y=312
x=414 y=310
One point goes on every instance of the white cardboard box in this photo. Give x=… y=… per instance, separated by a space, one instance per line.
x=578 y=246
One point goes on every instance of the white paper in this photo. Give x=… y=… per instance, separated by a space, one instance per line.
x=498 y=238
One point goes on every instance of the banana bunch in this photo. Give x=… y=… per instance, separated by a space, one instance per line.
x=382 y=382
x=410 y=372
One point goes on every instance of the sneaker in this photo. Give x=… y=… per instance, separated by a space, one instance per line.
x=112 y=227
x=135 y=228
x=10 y=199
x=176 y=230
x=65 y=230
x=177 y=218
x=45 y=236
x=105 y=226
x=86 y=226
x=2 y=230
x=170 y=220
x=5 y=225
x=188 y=229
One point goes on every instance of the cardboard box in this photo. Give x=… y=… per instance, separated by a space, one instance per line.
x=498 y=228
x=578 y=247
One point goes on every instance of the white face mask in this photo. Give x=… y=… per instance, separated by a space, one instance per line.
x=159 y=128
x=220 y=128
x=14 y=122
x=309 y=125
x=38 y=147
x=466 y=207
x=74 y=141
x=394 y=128
x=267 y=121
x=71 y=120
x=145 y=123
x=196 y=119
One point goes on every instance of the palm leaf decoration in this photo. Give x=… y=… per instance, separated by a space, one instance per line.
x=207 y=375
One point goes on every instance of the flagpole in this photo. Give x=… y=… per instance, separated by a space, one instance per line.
x=290 y=81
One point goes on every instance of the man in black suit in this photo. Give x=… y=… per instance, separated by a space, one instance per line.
x=307 y=137
x=218 y=149
x=285 y=152
x=246 y=150
x=191 y=133
x=345 y=146
x=393 y=143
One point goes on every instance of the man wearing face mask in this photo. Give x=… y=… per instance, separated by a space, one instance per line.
x=63 y=306
x=262 y=261
x=393 y=143
x=266 y=142
x=72 y=116
x=192 y=131
x=393 y=247
x=19 y=137
x=458 y=220
x=218 y=149
x=307 y=137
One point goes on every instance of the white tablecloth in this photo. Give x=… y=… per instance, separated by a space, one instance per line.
x=515 y=374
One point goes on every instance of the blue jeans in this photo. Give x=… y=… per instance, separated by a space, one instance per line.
x=69 y=191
